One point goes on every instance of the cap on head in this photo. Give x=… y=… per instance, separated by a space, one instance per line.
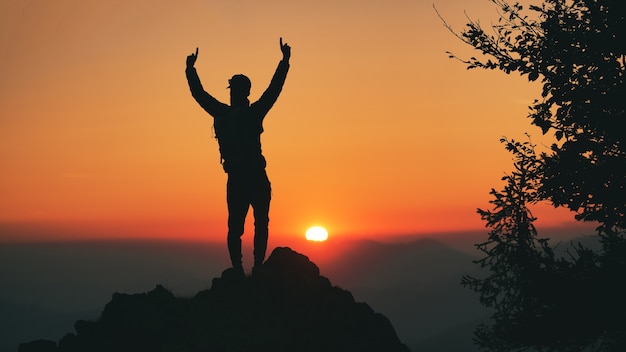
x=240 y=83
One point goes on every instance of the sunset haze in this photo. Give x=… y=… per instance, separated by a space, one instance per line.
x=376 y=132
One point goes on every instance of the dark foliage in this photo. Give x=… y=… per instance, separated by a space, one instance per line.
x=576 y=48
x=542 y=302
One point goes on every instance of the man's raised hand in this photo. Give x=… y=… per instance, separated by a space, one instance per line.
x=286 y=50
x=191 y=59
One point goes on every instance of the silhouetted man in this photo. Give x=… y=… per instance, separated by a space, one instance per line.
x=238 y=129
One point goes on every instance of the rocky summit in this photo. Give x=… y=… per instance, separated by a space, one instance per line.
x=286 y=305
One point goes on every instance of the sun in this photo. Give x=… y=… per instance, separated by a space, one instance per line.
x=317 y=234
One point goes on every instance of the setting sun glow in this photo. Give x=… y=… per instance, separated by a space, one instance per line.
x=317 y=233
x=134 y=156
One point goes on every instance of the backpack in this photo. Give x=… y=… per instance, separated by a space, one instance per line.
x=239 y=137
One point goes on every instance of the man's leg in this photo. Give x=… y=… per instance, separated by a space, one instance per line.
x=261 y=207
x=237 y=210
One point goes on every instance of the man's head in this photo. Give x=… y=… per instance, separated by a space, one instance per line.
x=239 y=86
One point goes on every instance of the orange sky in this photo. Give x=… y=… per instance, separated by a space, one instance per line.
x=376 y=131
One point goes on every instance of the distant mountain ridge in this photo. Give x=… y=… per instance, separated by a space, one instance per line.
x=417 y=286
x=20 y=323
x=419 y=292
x=373 y=264
x=288 y=306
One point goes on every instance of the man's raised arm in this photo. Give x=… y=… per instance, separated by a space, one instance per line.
x=272 y=92
x=206 y=101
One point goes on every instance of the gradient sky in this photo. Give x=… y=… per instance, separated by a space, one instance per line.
x=376 y=131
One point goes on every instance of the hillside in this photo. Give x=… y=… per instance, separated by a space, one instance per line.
x=288 y=306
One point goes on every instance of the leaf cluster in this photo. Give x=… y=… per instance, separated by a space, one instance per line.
x=575 y=48
x=542 y=301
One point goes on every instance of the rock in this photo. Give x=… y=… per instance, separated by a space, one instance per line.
x=38 y=346
x=284 y=306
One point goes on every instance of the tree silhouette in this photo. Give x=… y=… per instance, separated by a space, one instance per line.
x=576 y=48
x=514 y=255
x=542 y=301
